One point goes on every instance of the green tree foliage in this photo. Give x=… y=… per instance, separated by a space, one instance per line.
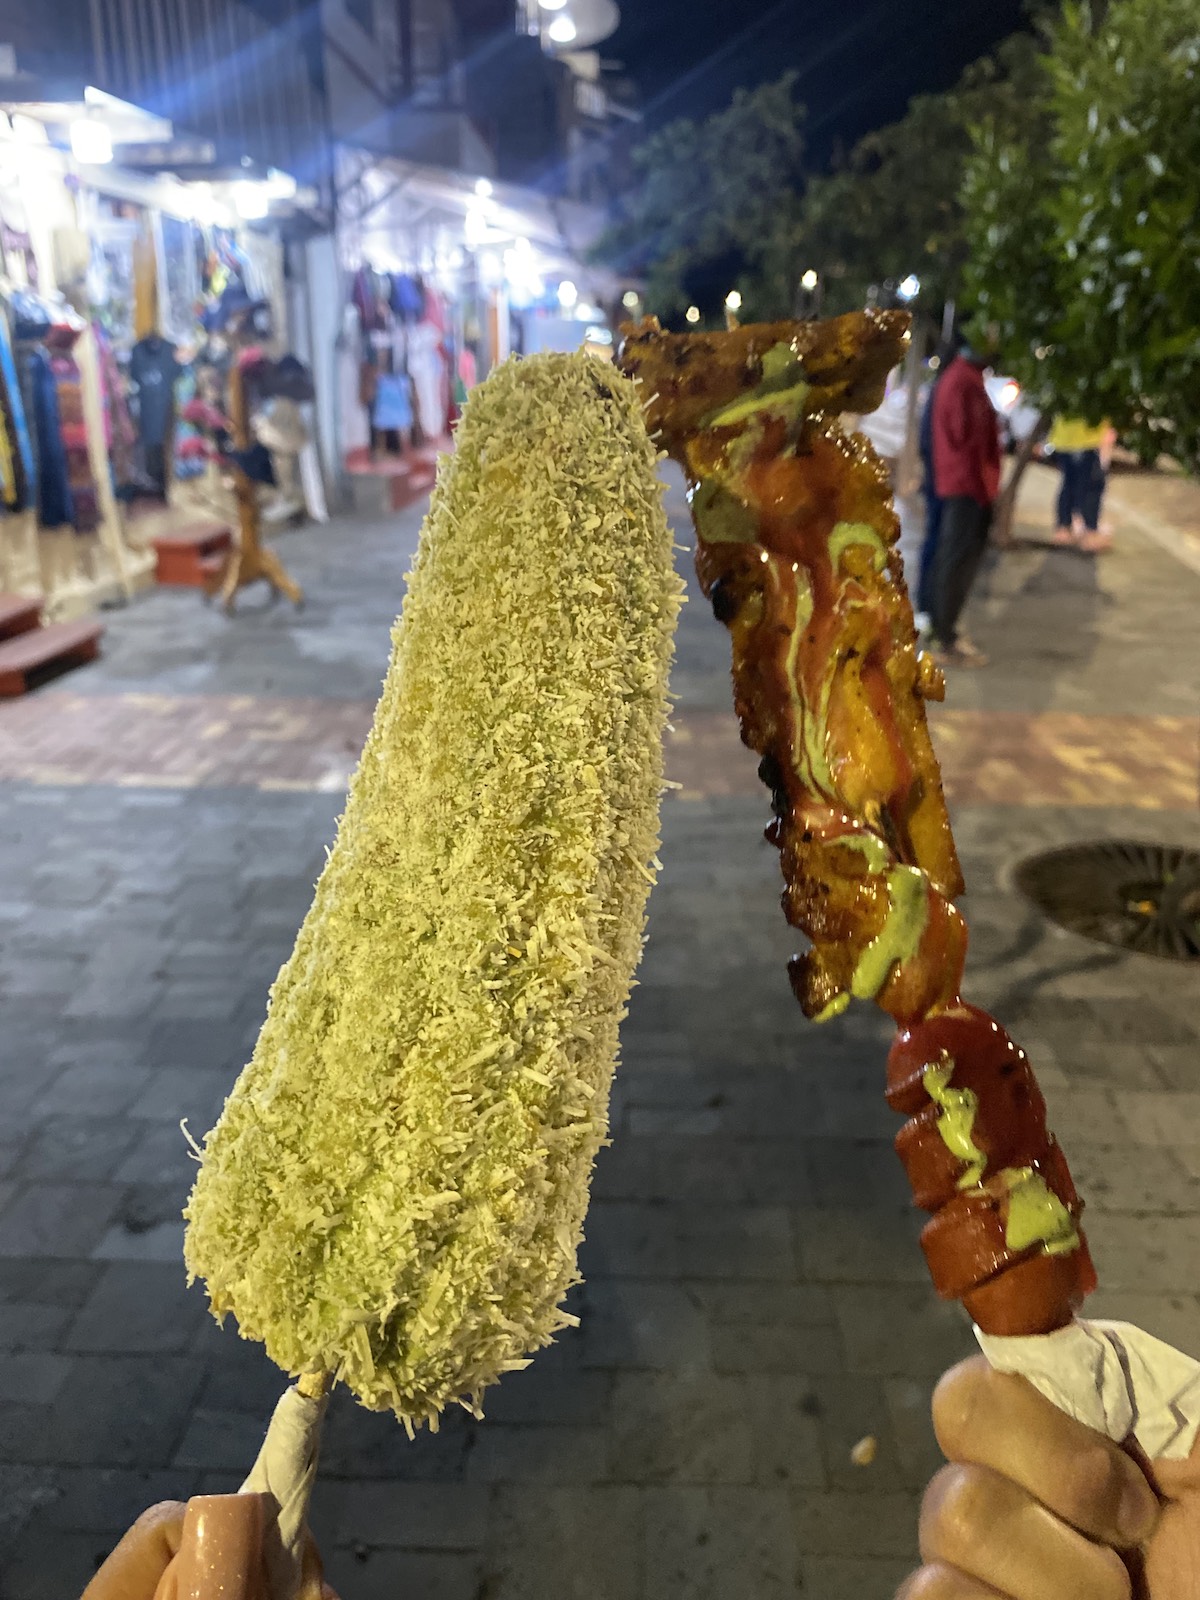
x=895 y=207
x=725 y=191
x=1085 y=239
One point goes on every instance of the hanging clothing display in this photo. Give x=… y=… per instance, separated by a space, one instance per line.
x=427 y=370
x=153 y=368
x=120 y=435
x=15 y=427
x=54 y=504
x=72 y=427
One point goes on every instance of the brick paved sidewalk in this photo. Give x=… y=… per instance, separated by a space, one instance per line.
x=755 y=1302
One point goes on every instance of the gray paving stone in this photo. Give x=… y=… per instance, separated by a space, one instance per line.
x=31 y=1327
x=774 y=1347
x=848 y=1578
x=107 y=1500
x=221 y=1441
x=33 y=1377
x=681 y=1428
x=917 y=1452
x=176 y=1094
x=360 y=1444
x=892 y=1332
x=542 y=1394
x=1131 y=1253
x=93 y=1089
x=43 y=1281
x=1164 y=1117
x=519 y=1453
x=860 y=1246
x=693 y=1241
x=74 y=1148
x=576 y=1543
x=41 y=1568
x=633 y=1324
x=160 y=1241
x=111 y=1411
x=390 y=1574
x=24 y=1490
x=841 y=1525
x=138 y=1307
x=57 y=1219
x=415 y=1516
x=705 y=1544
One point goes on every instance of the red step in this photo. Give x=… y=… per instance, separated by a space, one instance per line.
x=182 y=553
x=30 y=657
x=18 y=614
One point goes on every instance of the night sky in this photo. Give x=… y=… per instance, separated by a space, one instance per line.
x=859 y=60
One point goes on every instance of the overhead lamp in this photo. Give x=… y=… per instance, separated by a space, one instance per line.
x=809 y=280
x=483 y=187
x=733 y=300
x=909 y=288
x=91 y=142
x=692 y=313
x=630 y=299
x=562 y=30
x=251 y=201
x=567 y=294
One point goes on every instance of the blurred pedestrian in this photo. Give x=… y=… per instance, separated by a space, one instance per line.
x=1082 y=452
x=933 y=503
x=966 y=478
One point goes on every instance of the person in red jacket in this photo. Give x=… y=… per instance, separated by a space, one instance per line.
x=966 y=473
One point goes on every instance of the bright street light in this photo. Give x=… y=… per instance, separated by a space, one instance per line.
x=91 y=142
x=909 y=288
x=630 y=299
x=692 y=313
x=567 y=294
x=552 y=5
x=562 y=30
x=809 y=280
x=483 y=187
x=733 y=300
x=250 y=200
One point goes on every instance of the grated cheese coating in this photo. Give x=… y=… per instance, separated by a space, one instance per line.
x=395 y=1190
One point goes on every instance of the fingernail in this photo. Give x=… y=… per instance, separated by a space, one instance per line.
x=1137 y=1511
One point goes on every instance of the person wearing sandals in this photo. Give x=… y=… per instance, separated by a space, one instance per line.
x=1082 y=452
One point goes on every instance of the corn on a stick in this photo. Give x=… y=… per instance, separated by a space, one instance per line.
x=396 y=1188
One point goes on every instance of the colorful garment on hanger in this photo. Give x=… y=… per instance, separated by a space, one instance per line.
x=72 y=428
x=16 y=426
x=54 y=504
x=120 y=435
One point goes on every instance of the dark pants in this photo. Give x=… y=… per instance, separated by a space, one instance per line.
x=1082 y=487
x=962 y=540
x=927 y=566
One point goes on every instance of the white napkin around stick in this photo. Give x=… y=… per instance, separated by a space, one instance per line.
x=1112 y=1377
x=286 y=1469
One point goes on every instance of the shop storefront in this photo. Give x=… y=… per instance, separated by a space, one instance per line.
x=128 y=298
x=441 y=276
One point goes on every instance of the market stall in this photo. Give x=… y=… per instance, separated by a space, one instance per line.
x=125 y=294
x=442 y=276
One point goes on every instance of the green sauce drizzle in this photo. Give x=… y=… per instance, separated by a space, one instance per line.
x=1036 y=1215
x=957 y=1121
x=848 y=533
x=900 y=935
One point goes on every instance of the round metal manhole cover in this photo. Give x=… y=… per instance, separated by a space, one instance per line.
x=1143 y=897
